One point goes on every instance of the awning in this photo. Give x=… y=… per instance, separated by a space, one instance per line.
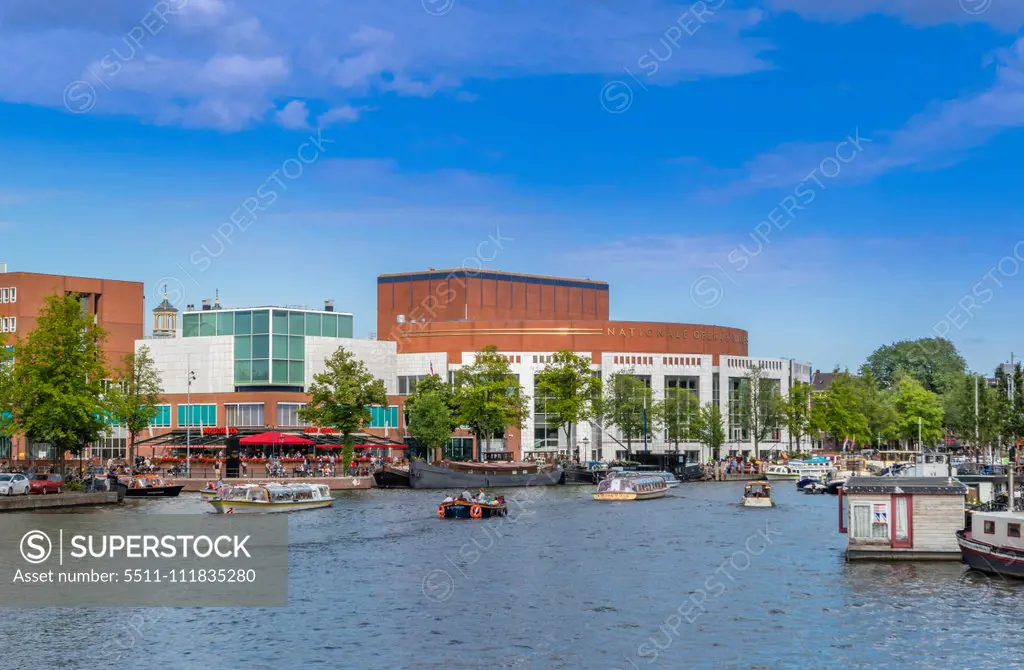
x=274 y=438
x=362 y=446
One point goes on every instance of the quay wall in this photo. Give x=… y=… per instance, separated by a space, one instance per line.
x=21 y=503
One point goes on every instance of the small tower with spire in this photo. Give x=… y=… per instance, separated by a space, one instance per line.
x=165 y=318
x=216 y=300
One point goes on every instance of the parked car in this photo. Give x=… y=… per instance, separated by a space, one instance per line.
x=45 y=483
x=14 y=484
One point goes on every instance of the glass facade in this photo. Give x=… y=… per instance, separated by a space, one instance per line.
x=197 y=415
x=162 y=418
x=738 y=390
x=545 y=433
x=270 y=344
x=288 y=415
x=244 y=414
x=382 y=414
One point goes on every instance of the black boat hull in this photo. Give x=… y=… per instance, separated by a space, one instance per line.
x=989 y=558
x=465 y=511
x=426 y=476
x=155 y=492
x=391 y=479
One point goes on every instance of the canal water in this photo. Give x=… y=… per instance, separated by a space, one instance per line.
x=689 y=581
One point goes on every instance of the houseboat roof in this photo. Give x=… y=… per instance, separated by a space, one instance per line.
x=919 y=485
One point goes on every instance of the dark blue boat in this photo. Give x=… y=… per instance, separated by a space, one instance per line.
x=805 y=482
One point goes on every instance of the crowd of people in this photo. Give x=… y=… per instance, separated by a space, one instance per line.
x=480 y=498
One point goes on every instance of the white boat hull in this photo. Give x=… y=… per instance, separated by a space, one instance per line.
x=758 y=502
x=257 y=507
x=776 y=476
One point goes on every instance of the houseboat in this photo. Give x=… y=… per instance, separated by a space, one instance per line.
x=150 y=486
x=265 y=498
x=466 y=474
x=391 y=477
x=902 y=518
x=994 y=544
x=630 y=487
x=758 y=494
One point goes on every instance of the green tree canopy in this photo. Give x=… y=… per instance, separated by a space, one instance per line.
x=837 y=411
x=981 y=429
x=679 y=413
x=58 y=378
x=913 y=402
x=340 y=397
x=623 y=405
x=760 y=407
x=434 y=386
x=877 y=406
x=430 y=421
x=711 y=429
x=488 y=397
x=134 y=394
x=569 y=389
x=933 y=361
x=796 y=411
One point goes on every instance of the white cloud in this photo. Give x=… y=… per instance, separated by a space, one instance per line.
x=224 y=62
x=1006 y=15
x=345 y=113
x=294 y=115
x=937 y=137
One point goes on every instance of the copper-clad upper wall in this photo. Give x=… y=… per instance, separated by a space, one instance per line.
x=480 y=295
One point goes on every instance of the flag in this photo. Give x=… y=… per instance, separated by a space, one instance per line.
x=431 y=368
x=846 y=440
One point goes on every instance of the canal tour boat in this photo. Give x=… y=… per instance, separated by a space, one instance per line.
x=758 y=494
x=150 y=486
x=670 y=479
x=630 y=487
x=994 y=544
x=471 y=509
x=798 y=470
x=267 y=498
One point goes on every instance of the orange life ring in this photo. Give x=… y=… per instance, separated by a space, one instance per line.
x=476 y=512
x=440 y=511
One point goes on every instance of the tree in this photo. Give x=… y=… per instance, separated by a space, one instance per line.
x=836 y=412
x=340 y=397
x=58 y=378
x=6 y=390
x=435 y=387
x=623 y=408
x=796 y=411
x=488 y=397
x=917 y=408
x=430 y=421
x=934 y=362
x=569 y=389
x=981 y=429
x=679 y=413
x=760 y=407
x=710 y=428
x=133 y=396
x=876 y=404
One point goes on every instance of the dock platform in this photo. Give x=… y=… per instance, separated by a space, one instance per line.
x=23 y=503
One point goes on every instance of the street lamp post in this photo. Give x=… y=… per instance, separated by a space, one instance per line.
x=586 y=450
x=190 y=377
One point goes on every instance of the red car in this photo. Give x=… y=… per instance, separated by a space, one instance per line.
x=45 y=483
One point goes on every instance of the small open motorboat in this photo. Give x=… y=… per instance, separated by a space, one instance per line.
x=265 y=498
x=994 y=543
x=630 y=487
x=758 y=494
x=150 y=486
x=471 y=509
x=804 y=482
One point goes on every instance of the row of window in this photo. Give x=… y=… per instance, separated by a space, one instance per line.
x=9 y=324
x=1012 y=529
x=680 y=360
x=9 y=294
x=260 y=322
x=633 y=360
x=251 y=415
x=750 y=364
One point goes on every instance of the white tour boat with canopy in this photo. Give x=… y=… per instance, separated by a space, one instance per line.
x=248 y=499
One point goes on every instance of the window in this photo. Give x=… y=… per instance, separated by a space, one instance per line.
x=288 y=415
x=990 y=528
x=870 y=521
x=1013 y=530
x=545 y=432
x=162 y=418
x=407 y=383
x=14 y=294
x=244 y=414
x=384 y=416
x=6 y=295
x=458 y=449
x=197 y=415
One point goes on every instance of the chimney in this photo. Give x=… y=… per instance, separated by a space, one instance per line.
x=190 y=308
x=328 y=305
x=206 y=304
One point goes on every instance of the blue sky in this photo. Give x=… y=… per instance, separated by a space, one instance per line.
x=830 y=176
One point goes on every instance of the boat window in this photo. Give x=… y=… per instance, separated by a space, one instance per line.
x=1013 y=530
x=990 y=527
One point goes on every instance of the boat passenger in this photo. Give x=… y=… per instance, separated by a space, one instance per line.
x=448 y=498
